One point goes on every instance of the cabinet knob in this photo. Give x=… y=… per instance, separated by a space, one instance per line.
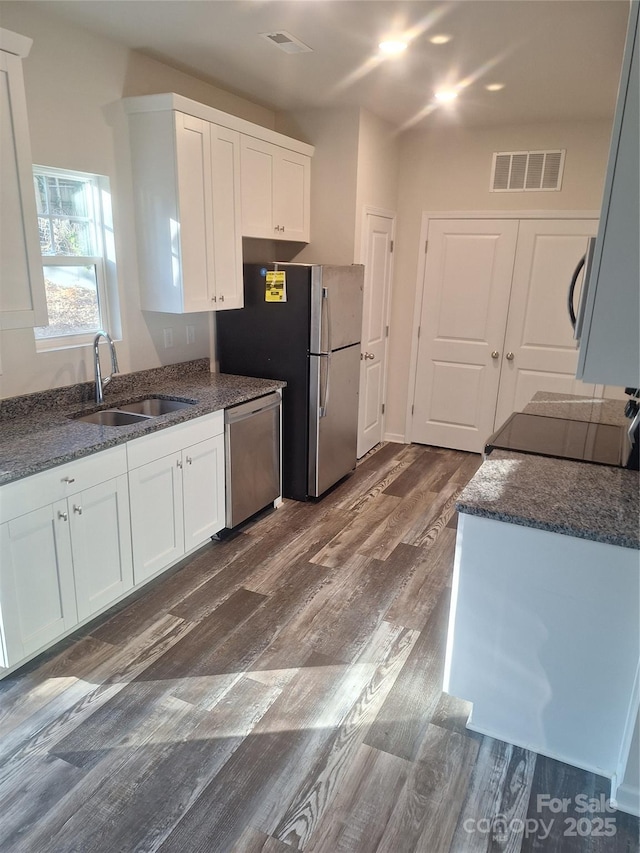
x=509 y=356
x=68 y=479
x=495 y=354
x=63 y=515
x=214 y=298
x=77 y=509
x=179 y=463
x=189 y=460
x=222 y=298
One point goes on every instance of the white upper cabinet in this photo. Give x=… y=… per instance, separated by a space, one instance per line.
x=276 y=185
x=203 y=179
x=186 y=174
x=610 y=339
x=22 y=295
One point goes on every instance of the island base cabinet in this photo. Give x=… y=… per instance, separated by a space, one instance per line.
x=36 y=581
x=543 y=640
x=101 y=545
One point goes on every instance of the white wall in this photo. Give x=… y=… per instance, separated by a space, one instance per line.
x=449 y=170
x=74 y=81
x=334 y=132
x=377 y=184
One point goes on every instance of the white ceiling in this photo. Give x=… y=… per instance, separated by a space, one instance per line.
x=558 y=59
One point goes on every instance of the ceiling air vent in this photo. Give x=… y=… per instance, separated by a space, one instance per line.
x=527 y=171
x=286 y=42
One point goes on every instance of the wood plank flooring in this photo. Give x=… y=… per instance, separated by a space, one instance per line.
x=281 y=690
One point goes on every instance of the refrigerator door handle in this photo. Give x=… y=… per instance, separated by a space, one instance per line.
x=324 y=395
x=325 y=301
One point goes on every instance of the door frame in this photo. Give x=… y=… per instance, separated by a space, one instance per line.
x=369 y=210
x=427 y=216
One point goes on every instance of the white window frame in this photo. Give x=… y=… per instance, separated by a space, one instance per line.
x=103 y=262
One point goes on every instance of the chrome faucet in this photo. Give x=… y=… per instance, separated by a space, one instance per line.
x=100 y=382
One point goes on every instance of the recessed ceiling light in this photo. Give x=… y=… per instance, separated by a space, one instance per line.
x=445 y=96
x=392 y=47
x=494 y=87
x=442 y=38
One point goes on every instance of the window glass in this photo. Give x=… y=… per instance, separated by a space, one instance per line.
x=71 y=228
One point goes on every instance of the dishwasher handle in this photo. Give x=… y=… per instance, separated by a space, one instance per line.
x=253 y=407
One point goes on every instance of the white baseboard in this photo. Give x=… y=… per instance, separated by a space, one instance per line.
x=396 y=438
x=627 y=799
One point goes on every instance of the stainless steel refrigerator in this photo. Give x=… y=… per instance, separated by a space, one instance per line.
x=302 y=323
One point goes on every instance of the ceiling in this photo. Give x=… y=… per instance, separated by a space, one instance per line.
x=557 y=59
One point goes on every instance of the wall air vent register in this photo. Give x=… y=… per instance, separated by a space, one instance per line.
x=527 y=171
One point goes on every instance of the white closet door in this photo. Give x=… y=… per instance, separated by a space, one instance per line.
x=540 y=353
x=464 y=311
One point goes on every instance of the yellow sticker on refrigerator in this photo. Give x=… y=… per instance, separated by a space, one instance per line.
x=275 y=286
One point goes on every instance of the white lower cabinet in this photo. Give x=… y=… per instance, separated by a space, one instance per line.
x=66 y=560
x=36 y=582
x=177 y=497
x=74 y=539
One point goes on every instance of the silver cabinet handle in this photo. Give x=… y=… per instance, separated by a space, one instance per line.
x=189 y=460
x=509 y=356
x=214 y=298
x=63 y=515
x=68 y=479
x=179 y=463
x=77 y=509
x=495 y=354
x=222 y=298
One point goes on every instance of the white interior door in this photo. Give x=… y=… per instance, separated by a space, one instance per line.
x=540 y=353
x=377 y=283
x=465 y=302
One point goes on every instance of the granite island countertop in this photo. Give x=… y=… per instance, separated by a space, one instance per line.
x=580 y=499
x=37 y=432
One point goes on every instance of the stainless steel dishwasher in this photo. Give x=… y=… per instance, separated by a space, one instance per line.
x=252 y=456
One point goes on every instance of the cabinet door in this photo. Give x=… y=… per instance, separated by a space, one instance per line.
x=101 y=545
x=196 y=257
x=257 y=172
x=36 y=581
x=155 y=495
x=227 y=219
x=291 y=195
x=203 y=491
x=22 y=295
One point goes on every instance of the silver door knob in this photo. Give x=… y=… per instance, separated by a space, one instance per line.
x=495 y=354
x=509 y=356
x=367 y=356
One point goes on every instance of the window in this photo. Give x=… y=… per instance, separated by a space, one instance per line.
x=76 y=241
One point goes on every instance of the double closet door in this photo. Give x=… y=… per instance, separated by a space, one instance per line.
x=494 y=326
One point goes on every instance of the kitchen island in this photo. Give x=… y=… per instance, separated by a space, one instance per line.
x=544 y=627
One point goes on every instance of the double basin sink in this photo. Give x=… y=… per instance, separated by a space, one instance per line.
x=133 y=413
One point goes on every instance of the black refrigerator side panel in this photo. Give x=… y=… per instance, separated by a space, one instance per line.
x=270 y=340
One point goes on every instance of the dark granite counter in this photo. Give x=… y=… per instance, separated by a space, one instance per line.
x=37 y=432
x=579 y=499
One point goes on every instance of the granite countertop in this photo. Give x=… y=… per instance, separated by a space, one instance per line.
x=36 y=432
x=578 y=499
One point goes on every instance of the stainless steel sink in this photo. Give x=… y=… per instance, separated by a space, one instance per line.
x=112 y=417
x=154 y=406
x=133 y=413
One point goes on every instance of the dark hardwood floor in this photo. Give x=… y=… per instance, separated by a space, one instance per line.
x=282 y=690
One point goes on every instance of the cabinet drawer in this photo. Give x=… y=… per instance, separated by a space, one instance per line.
x=146 y=449
x=57 y=483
